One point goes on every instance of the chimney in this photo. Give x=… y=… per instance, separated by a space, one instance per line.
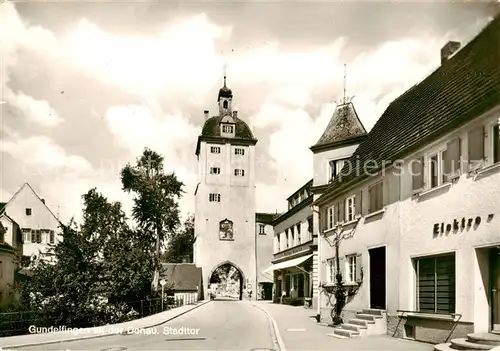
x=235 y=114
x=43 y=201
x=206 y=112
x=449 y=49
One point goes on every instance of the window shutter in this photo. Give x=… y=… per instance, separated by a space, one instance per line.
x=451 y=158
x=337 y=214
x=342 y=210
x=343 y=268
x=359 y=265
x=475 y=139
x=418 y=174
x=357 y=202
x=325 y=219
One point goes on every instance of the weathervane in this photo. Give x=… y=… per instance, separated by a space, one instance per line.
x=225 y=69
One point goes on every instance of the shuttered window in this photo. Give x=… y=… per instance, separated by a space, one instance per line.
x=436 y=284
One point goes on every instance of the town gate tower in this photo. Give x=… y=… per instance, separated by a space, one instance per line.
x=225 y=199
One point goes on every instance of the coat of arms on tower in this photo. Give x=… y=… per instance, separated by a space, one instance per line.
x=226 y=230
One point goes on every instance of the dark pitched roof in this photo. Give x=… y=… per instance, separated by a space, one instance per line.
x=464 y=87
x=2 y=205
x=344 y=125
x=211 y=128
x=211 y=132
x=266 y=218
x=181 y=276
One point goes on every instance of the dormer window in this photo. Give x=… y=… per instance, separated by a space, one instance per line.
x=227 y=128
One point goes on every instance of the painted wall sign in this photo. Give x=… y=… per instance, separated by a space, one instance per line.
x=458 y=224
x=293 y=251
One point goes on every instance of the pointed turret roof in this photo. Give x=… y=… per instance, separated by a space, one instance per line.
x=344 y=126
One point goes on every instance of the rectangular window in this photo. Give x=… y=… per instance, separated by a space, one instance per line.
x=239 y=172
x=278 y=249
x=214 y=170
x=310 y=225
x=330 y=263
x=52 y=236
x=28 y=212
x=350 y=210
x=436 y=173
x=335 y=166
x=376 y=193
x=496 y=142
x=239 y=151
x=262 y=229
x=436 y=284
x=331 y=217
x=214 y=197
x=287 y=239
x=26 y=235
x=38 y=235
x=227 y=129
x=298 y=233
x=351 y=268
x=292 y=236
x=215 y=149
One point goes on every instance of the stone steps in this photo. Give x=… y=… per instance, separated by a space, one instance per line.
x=366 y=322
x=474 y=341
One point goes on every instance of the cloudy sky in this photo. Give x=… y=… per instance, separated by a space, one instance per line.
x=86 y=86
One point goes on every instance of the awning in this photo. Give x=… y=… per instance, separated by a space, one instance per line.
x=287 y=264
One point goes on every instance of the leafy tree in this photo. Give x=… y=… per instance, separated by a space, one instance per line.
x=181 y=243
x=156 y=207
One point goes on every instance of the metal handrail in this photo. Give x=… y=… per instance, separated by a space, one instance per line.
x=453 y=315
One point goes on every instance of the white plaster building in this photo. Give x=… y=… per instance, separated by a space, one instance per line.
x=294 y=248
x=265 y=244
x=225 y=227
x=39 y=226
x=418 y=204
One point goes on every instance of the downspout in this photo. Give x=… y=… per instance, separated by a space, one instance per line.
x=318 y=300
x=256 y=263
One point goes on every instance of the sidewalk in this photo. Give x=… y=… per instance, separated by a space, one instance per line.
x=300 y=331
x=97 y=332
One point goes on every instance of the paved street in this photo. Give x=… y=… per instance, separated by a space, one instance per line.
x=218 y=325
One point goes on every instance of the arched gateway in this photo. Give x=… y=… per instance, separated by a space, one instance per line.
x=225 y=226
x=227 y=280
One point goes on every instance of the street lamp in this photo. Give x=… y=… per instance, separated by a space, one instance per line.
x=162 y=283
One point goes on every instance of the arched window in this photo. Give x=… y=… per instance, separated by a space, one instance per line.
x=226 y=230
x=224 y=104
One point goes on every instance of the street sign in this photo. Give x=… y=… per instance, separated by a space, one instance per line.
x=163 y=282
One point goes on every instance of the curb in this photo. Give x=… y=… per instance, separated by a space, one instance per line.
x=278 y=341
x=6 y=348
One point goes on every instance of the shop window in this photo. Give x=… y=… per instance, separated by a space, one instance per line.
x=436 y=284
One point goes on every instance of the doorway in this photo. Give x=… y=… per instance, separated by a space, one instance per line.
x=495 y=288
x=377 y=278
